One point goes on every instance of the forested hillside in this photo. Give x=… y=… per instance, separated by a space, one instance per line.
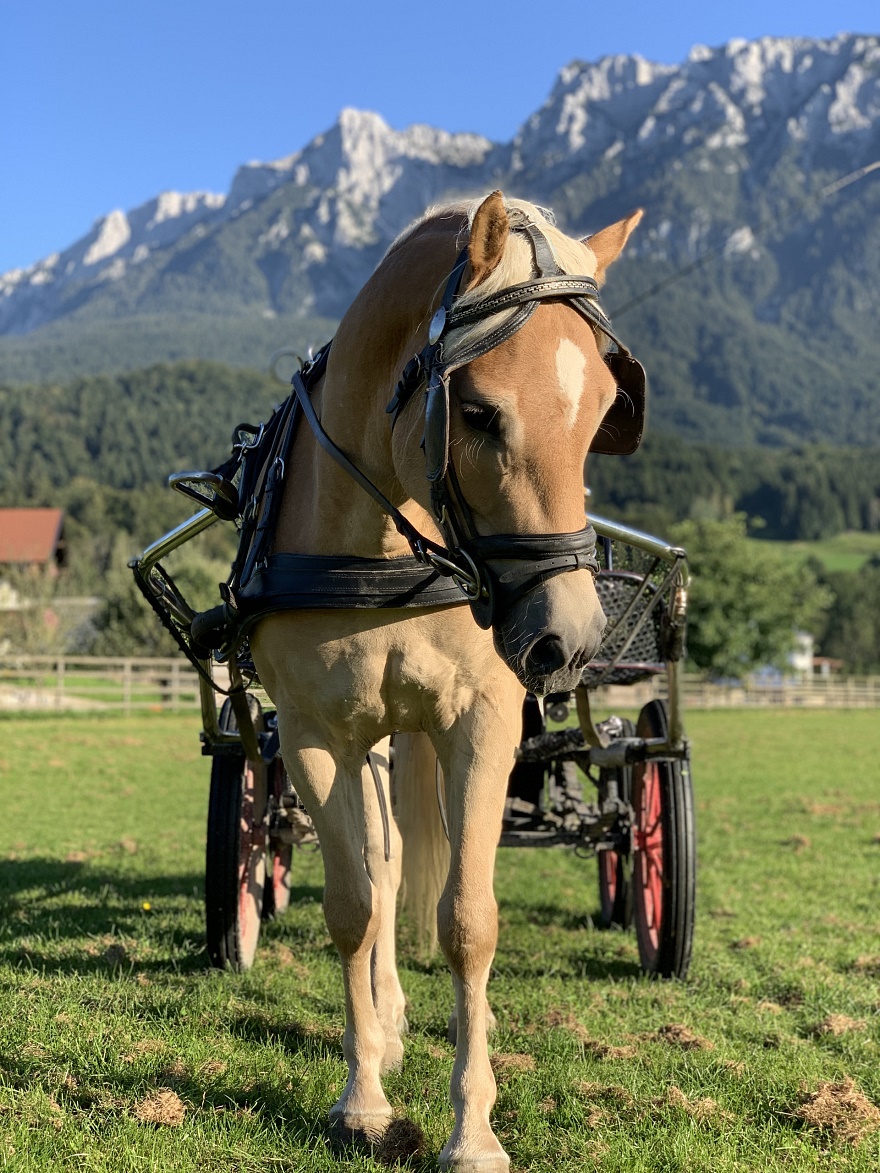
x=127 y=432
x=101 y=448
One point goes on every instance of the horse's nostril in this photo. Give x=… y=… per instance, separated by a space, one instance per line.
x=546 y=656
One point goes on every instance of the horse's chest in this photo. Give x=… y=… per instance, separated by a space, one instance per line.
x=407 y=676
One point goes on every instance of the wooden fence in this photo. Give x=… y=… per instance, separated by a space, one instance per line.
x=96 y=684
x=108 y=684
x=757 y=692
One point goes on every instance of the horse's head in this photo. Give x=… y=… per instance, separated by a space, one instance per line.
x=521 y=416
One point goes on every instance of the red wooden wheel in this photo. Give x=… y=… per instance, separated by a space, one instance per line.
x=235 y=858
x=664 y=855
x=648 y=861
x=276 y=895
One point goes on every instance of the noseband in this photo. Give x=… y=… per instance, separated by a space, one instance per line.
x=493 y=572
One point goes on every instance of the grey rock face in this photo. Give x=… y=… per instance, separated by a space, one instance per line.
x=728 y=152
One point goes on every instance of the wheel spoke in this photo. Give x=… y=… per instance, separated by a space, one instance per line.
x=648 y=845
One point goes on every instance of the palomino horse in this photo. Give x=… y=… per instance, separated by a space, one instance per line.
x=517 y=387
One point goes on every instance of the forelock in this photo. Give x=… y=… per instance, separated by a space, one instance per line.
x=517 y=265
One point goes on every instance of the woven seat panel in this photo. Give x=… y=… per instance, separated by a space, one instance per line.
x=622 y=674
x=644 y=656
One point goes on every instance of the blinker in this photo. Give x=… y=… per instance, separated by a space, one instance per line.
x=620 y=431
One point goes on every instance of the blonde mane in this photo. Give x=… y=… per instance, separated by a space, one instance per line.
x=516 y=265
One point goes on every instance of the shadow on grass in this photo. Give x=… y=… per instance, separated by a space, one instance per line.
x=285 y=1110
x=550 y=915
x=604 y=968
x=63 y=916
x=575 y=965
x=314 y=1040
x=403 y=1143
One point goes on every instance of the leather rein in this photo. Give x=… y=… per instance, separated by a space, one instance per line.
x=493 y=571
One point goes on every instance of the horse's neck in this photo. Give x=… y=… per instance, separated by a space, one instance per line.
x=324 y=511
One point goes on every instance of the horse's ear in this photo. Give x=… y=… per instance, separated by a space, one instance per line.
x=489 y=233
x=607 y=245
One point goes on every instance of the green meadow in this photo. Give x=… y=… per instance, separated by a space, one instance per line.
x=844 y=551
x=122 y=1051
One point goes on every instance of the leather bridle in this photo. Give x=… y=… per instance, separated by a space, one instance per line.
x=493 y=571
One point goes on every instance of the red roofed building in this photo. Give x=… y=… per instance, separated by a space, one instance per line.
x=32 y=537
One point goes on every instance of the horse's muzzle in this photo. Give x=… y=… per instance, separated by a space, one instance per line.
x=550 y=635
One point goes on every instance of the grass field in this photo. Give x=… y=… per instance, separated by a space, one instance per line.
x=121 y=1051
x=846 y=551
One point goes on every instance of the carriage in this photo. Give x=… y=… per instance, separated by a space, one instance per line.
x=636 y=818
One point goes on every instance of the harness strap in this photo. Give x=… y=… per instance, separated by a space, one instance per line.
x=261 y=489
x=427 y=552
x=581 y=293
x=383 y=806
x=480 y=346
x=527 y=561
x=312 y=581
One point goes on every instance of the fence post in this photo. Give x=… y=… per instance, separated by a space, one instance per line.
x=175 y=686
x=59 y=683
x=126 y=687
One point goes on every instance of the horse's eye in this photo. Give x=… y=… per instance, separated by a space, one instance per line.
x=482 y=418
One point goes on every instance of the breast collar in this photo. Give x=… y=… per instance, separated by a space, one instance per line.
x=493 y=571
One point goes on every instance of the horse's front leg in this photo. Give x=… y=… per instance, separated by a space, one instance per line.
x=385 y=873
x=334 y=795
x=477 y=758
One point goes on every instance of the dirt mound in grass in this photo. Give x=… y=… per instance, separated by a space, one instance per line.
x=604 y=1101
x=679 y=1035
x=702 y=1109
x=838 y=1024
x=600 y=1050
x=162 y=1107
x=513 y=1063
x=839 y=1109
x=564 y=1020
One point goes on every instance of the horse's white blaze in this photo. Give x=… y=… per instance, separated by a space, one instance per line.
x=571 y=364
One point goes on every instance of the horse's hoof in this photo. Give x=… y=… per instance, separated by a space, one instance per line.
x=491 y=1163
x=358 y=1129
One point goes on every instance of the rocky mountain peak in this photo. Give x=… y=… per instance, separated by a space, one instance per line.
x=723 y=151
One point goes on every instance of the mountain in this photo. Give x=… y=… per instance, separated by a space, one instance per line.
x=768 y=333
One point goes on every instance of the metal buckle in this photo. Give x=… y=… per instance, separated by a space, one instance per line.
x=469 y=583
x=472 y=584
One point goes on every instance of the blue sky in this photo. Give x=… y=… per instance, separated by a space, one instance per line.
x=105 y=103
